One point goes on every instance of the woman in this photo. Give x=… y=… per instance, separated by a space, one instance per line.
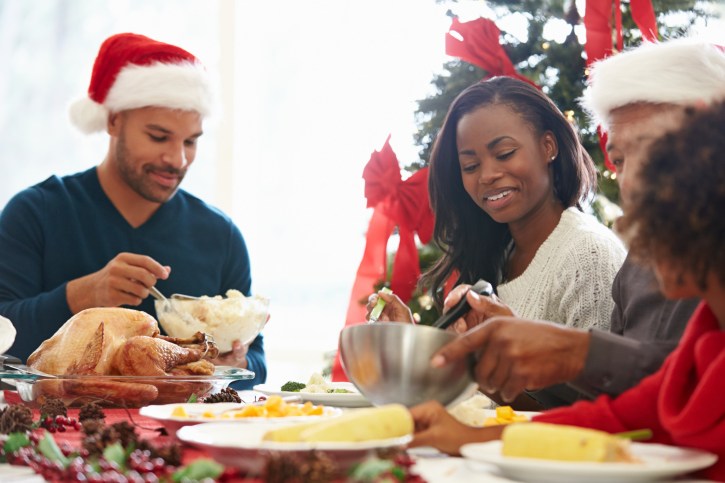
x=675 y=221
x=508 y=178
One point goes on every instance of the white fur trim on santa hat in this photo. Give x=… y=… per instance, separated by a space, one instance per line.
x=683 y=71
x=88 y=115
x=182 y=86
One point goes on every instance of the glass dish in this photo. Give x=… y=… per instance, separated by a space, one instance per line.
x=235 y=317
x=121 y=391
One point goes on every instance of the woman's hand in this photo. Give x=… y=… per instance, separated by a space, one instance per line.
x=435 y=427
x=482 y=308
x=394 y=311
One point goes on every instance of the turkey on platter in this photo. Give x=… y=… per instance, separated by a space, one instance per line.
x=120 y=342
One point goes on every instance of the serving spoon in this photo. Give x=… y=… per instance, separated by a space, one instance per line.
x=167 y=306
x=481 y=287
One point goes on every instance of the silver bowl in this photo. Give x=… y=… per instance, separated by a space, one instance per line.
x=389 y=362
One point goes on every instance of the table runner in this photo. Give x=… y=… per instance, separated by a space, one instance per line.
x=146 y=428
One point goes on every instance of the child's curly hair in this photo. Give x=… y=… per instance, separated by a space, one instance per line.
x=677 y=211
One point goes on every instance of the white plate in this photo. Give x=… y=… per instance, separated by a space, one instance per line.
x=18 y=474
x=341 y=400
x=172 y=424
x=241 y=446
x=658 y=462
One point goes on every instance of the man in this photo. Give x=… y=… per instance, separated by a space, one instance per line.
x=635 y=96
x=104 y=237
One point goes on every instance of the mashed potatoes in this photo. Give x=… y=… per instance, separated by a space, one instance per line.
x=7 y=334
x=473 y=411
x=225 y=319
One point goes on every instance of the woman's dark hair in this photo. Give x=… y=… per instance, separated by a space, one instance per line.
x=473 y=244
x=675 y=211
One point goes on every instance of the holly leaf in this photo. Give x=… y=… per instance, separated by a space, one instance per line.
x=198 y=470
x=115 y=452
x=15 y=441
x=48 y=448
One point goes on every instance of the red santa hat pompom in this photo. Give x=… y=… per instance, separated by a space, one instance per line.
x=133 y=71
x=684 y=71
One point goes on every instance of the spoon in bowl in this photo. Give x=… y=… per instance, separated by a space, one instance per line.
x=167 y=306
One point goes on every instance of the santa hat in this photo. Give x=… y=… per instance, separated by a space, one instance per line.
x=683 y=72
x=133 y=71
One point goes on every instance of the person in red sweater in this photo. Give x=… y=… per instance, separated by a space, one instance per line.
x=673 y=221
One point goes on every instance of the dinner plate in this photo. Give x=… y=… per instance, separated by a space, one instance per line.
x=341 y=400
x=18 y=474
x=657 y=462
x=241 y=446
x=163 y=414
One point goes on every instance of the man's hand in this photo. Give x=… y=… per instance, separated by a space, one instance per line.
x=125 y=280
x=515 y=354
x=482 y=308
x=435 y=427
x=395 y=310
x=237 y=357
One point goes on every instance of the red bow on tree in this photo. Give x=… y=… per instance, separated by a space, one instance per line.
x=598 y=23
x=479 y=45
x=397 y=203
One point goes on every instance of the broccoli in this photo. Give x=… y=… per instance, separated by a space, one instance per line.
x=292 y=386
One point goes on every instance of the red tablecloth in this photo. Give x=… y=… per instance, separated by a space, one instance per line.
x=146 y=428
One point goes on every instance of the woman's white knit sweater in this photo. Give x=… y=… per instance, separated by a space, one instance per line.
x=569 y=281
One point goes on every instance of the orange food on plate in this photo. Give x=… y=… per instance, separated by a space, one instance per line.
x=276 y=407
x=505 y=415
x=273 y=407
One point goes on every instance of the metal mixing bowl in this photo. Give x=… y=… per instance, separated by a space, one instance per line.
x=389 y=362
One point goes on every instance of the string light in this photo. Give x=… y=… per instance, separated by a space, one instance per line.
x=570 y=116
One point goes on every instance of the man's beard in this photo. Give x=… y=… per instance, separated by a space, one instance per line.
x=139 y=182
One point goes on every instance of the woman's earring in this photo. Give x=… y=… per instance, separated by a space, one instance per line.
x=552 y=158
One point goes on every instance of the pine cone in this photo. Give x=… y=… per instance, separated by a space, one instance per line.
x=99 y=436
x=16 y=419
x=93 y=426
x=53 y=406
x=126 y=433
x=225 y=395
x=170 y=453
x=93 y=443
x=91 y=411
x=318 y=468
x=281 y=468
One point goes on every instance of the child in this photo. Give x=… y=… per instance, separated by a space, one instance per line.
x=674 y=220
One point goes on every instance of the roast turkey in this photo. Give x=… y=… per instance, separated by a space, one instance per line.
x=118 y=342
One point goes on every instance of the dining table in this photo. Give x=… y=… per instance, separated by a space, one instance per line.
x=430 y=464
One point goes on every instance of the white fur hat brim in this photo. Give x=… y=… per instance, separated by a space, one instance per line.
x=683 y=72
x=182 y=86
